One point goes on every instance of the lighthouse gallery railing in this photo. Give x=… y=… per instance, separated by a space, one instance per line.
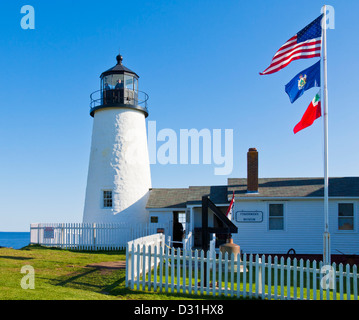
x=114 y=97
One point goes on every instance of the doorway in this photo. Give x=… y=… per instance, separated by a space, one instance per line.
x=179 y=228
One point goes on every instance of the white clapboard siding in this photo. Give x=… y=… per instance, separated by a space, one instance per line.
x=165 y=269
x=303 y=228
x=90 y=236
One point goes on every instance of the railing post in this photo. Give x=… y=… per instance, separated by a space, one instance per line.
x=355 y=280
x=143 y=267
x=128 y=264
x=62 y=236
x=38 y=233
x=132 y=266
x=244 y=275
x=259 y=275
x=288 y=277
x=138 y=266
x=94 y=235
x=262 y=276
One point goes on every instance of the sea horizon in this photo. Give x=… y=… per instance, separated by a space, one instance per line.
x=14 y=239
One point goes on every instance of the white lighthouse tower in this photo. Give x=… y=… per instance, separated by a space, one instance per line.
x=119 y=176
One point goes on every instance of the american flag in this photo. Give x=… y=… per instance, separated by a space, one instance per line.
x=305 y=44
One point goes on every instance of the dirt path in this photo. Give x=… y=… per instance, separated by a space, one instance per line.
x=108 y=265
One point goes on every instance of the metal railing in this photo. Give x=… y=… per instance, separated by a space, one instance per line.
x=118 y=97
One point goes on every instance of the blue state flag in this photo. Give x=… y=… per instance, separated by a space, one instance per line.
x=303 y=81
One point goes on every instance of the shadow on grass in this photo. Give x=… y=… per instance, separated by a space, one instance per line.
x=96 y=280
x=112 y=282
x=118 y=289
x=75 y=278
x=107 y=252
x=15 y=258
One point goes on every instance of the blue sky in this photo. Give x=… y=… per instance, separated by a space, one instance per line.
x=199 y=61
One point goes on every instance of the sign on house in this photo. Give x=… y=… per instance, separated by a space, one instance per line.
x=249 y=216
x=49 y=233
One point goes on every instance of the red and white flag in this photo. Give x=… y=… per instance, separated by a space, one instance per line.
x=230 y=208
x=312 y=113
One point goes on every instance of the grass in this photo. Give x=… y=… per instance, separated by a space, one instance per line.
x=279 y=290
x=63 y=275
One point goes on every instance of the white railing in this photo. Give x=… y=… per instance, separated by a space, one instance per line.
x=90 y=236
x=139 y=264
x=187 y=241
x=193 y=272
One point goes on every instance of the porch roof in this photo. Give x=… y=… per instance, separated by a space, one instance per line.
x=181 y=197
x=167 y=198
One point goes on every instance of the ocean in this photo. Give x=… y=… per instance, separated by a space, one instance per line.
x=15 y=240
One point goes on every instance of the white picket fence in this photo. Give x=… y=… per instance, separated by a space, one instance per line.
x=164 y=269
x=155 y=242
x=90 y=236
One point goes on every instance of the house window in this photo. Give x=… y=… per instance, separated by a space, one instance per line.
x=345 y=216
x=276 y=216
x=107 y=198
x=154 y=219
x=182 y=219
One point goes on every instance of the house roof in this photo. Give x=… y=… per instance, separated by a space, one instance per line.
x=268 y=188
x=167 y=198
x=217 y=194
x=296 y=187
x=180 y=197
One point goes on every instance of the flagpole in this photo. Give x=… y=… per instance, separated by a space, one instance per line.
x=326 y=244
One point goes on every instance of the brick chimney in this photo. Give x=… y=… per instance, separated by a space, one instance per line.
x=252 y=170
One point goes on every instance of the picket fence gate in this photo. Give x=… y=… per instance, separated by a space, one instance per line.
x=91 y=236
x=161 y=268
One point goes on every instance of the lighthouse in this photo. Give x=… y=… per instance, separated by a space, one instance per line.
x=119 y=176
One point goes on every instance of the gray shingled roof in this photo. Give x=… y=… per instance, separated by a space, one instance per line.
x=167 y=198
x=268 y=188
x=178 y=198
x=296 y=187
x=218 y=194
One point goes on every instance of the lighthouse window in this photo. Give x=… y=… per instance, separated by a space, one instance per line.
x=135 y=84
x=129 y=82
x=109 y=82
x=107 y=198
x=117 y=80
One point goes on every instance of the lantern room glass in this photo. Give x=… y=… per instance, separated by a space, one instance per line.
x=119 y=81
x=129 y=82
x=119 y=89
x=109 y=82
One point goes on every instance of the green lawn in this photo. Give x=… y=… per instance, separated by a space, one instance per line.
x=63 y=275
x=278 y=290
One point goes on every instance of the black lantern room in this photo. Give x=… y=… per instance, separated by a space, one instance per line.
x=119 y=89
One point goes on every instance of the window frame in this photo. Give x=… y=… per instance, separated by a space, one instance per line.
x=107 y=199
x=182 y=218
x=346 y=217
x=283 y=217
x=125 y=79
x=153 y=219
